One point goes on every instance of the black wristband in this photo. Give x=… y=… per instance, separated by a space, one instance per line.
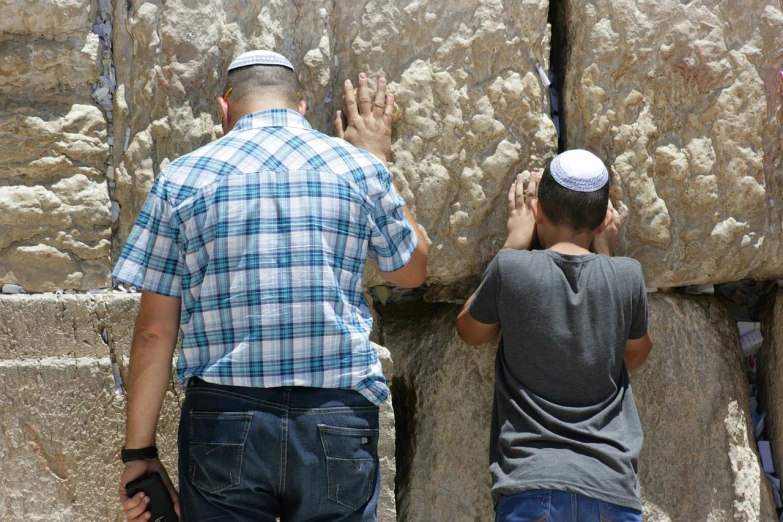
x=128 y=455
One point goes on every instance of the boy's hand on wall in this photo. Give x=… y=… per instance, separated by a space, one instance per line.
x=367 y=124
x=521 y=225
x=606 y=242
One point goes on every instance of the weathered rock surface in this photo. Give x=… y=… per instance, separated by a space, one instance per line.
x=472 y=109
x=771 y=372
x=683 y=101
x=55 y=219
x=61 y=423
x=442 y=393
x=699 y=461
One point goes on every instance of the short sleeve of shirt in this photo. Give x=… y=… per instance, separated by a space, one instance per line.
x=392 y=238
x=484 y=307
x=639 y=322
x=150 y=259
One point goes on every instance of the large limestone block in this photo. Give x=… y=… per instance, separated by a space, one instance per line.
x=442 y=392
x=61 y=422
x=699 y=461
x=770 y=365
x=41 y=70
x=472 y=111
x=39 y=326
x=49 y=19
x=61 y=430
x=683 y=101
x=55 y=210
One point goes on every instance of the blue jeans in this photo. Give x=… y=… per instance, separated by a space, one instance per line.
x=558 y=506
x=254 y=454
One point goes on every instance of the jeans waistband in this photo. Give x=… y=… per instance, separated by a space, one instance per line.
x=289 y=396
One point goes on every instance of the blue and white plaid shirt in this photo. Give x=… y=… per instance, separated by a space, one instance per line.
x=264 y=234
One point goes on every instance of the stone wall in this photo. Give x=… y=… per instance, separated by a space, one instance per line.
x=55 y=219
x=699 y=458
x=62 y=420
x=683 y=100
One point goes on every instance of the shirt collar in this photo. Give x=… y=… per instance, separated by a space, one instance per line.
x=271 y=118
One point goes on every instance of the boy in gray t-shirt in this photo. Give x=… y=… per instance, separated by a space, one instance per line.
x=565 y=432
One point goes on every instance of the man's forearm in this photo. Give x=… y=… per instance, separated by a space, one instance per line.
x=154 y=339
x=150 y=374
x=422 y=245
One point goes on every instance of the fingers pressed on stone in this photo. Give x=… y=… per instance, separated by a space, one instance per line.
x=379 y=107
x=365 y=102
x=350 y=101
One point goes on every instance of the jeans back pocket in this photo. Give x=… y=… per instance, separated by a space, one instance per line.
x=527 y=506
x=351 y=463
x=217 y=443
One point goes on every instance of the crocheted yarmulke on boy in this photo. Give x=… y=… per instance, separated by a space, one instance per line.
x=579 y=170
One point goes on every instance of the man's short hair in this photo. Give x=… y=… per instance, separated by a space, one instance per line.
x=580 y=211
x=257 y=81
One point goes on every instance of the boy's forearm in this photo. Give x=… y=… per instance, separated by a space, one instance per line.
x=472 y=331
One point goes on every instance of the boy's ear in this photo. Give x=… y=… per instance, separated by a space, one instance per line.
x=538 y=214
x=605 y=223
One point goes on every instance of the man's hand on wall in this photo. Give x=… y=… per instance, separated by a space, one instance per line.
x=365 y=123
x=136 y=507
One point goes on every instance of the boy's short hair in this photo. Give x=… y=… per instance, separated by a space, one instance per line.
x=580 y=211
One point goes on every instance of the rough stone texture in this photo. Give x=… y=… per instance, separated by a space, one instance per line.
x=38 y=326
x=55 y=220
x=771 y=376
x=699 y=461
x=683 y=101
x=61 y=424
x=471 y=108
x=442 y=398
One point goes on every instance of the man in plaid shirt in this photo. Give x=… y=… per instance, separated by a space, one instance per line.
x=254 y=246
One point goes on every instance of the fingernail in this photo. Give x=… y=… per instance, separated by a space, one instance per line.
x=390 y=96
x=146 y=500
x=362 y=76
x=382 y=81
x=348 y=83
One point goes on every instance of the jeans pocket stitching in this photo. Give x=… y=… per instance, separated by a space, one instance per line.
x=235 y=471
x=332 y=491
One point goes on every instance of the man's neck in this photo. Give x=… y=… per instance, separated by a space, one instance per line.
x=239 y=111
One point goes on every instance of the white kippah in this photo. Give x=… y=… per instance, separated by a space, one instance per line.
x=260 y=58
x=579 y=170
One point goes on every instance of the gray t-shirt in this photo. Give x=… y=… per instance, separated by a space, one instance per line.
x=564 y=416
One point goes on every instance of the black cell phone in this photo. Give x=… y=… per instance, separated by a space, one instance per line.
x=161 y=507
